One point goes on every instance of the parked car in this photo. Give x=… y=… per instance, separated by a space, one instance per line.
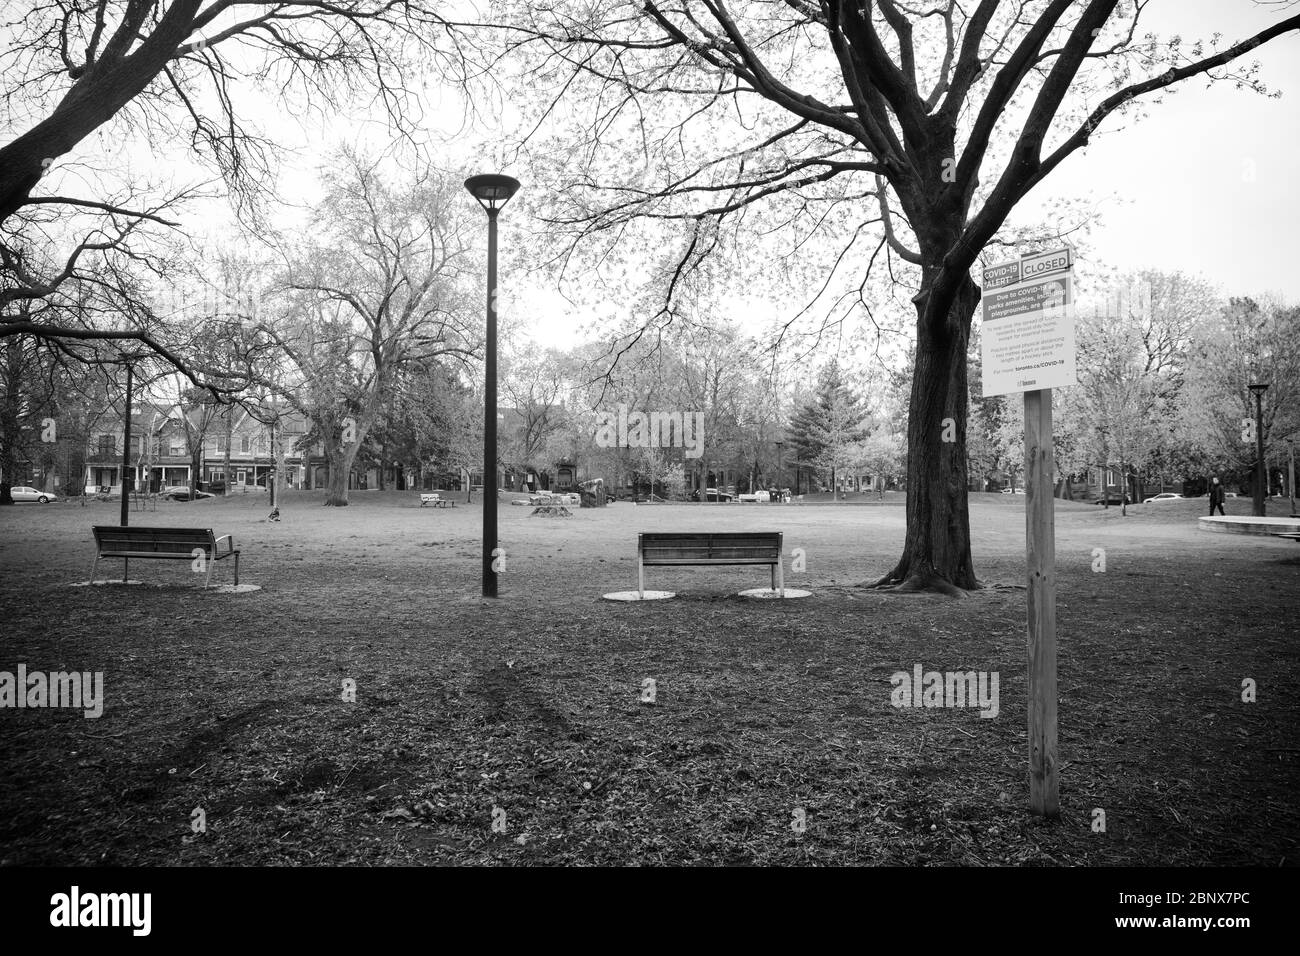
x=182 y=493
x=24 y=493
x=759 y=495
x=713 y=494
x=1164 y=496
x=1013 y=491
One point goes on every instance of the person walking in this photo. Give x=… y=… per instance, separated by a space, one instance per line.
x=1216 y=497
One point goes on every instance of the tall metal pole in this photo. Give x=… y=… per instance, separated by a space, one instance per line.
x=126 y=451
x=1260 y=473
x=1290 y=483
x=490 y=417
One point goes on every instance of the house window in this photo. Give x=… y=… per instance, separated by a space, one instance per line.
x=221 y=444
x=245 y=445
x=176 y=448
x=106 y=445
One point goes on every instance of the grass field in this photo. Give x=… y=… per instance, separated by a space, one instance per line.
x=530 y=705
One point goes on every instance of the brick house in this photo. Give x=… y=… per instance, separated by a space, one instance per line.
x=161 y=455
x=159 y=452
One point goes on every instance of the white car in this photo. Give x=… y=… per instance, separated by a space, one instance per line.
x=24 y=493
x=1164 y=496
x=759 y=495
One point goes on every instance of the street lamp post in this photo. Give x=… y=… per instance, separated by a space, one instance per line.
x=780 y=463
x=126 y=450
x=1290 y=478
x=492 y=191
x=1260 y=472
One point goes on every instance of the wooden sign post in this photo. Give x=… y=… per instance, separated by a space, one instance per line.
x=1040 y=555
x=1027 y=345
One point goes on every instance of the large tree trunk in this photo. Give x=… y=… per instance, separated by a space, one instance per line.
x=936 y=553
x=9 y=414
x=8 y=463
x=275 y=471
x=340 y=458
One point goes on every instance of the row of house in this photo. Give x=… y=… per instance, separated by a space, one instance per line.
x=161 y=455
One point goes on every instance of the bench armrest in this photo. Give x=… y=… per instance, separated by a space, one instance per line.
x=230 y=547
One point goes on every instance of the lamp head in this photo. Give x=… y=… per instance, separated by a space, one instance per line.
x=1258 y=389
x=492 y=190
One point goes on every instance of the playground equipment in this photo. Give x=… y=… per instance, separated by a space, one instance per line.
x=593 y=493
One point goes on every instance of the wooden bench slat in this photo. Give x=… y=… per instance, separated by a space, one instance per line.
x=696 y=549
x=177 y=544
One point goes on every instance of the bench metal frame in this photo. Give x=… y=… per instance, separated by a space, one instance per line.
x=177 y=544
x=667 y=549
x=438 y=501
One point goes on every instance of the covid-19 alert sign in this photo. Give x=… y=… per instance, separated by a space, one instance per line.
x=1027 y=336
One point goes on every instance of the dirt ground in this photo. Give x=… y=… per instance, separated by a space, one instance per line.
x=513 y=732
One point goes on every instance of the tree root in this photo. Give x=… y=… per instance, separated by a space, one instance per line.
x=918 y=583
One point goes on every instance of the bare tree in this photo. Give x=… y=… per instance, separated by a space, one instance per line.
x=1246 y=342
x=177 y=68
x=535 y=386
x=914 y=130
x=379 y=289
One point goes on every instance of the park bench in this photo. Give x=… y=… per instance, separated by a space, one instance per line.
x=438 y=501
x=177 y=544
x=661 y=549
